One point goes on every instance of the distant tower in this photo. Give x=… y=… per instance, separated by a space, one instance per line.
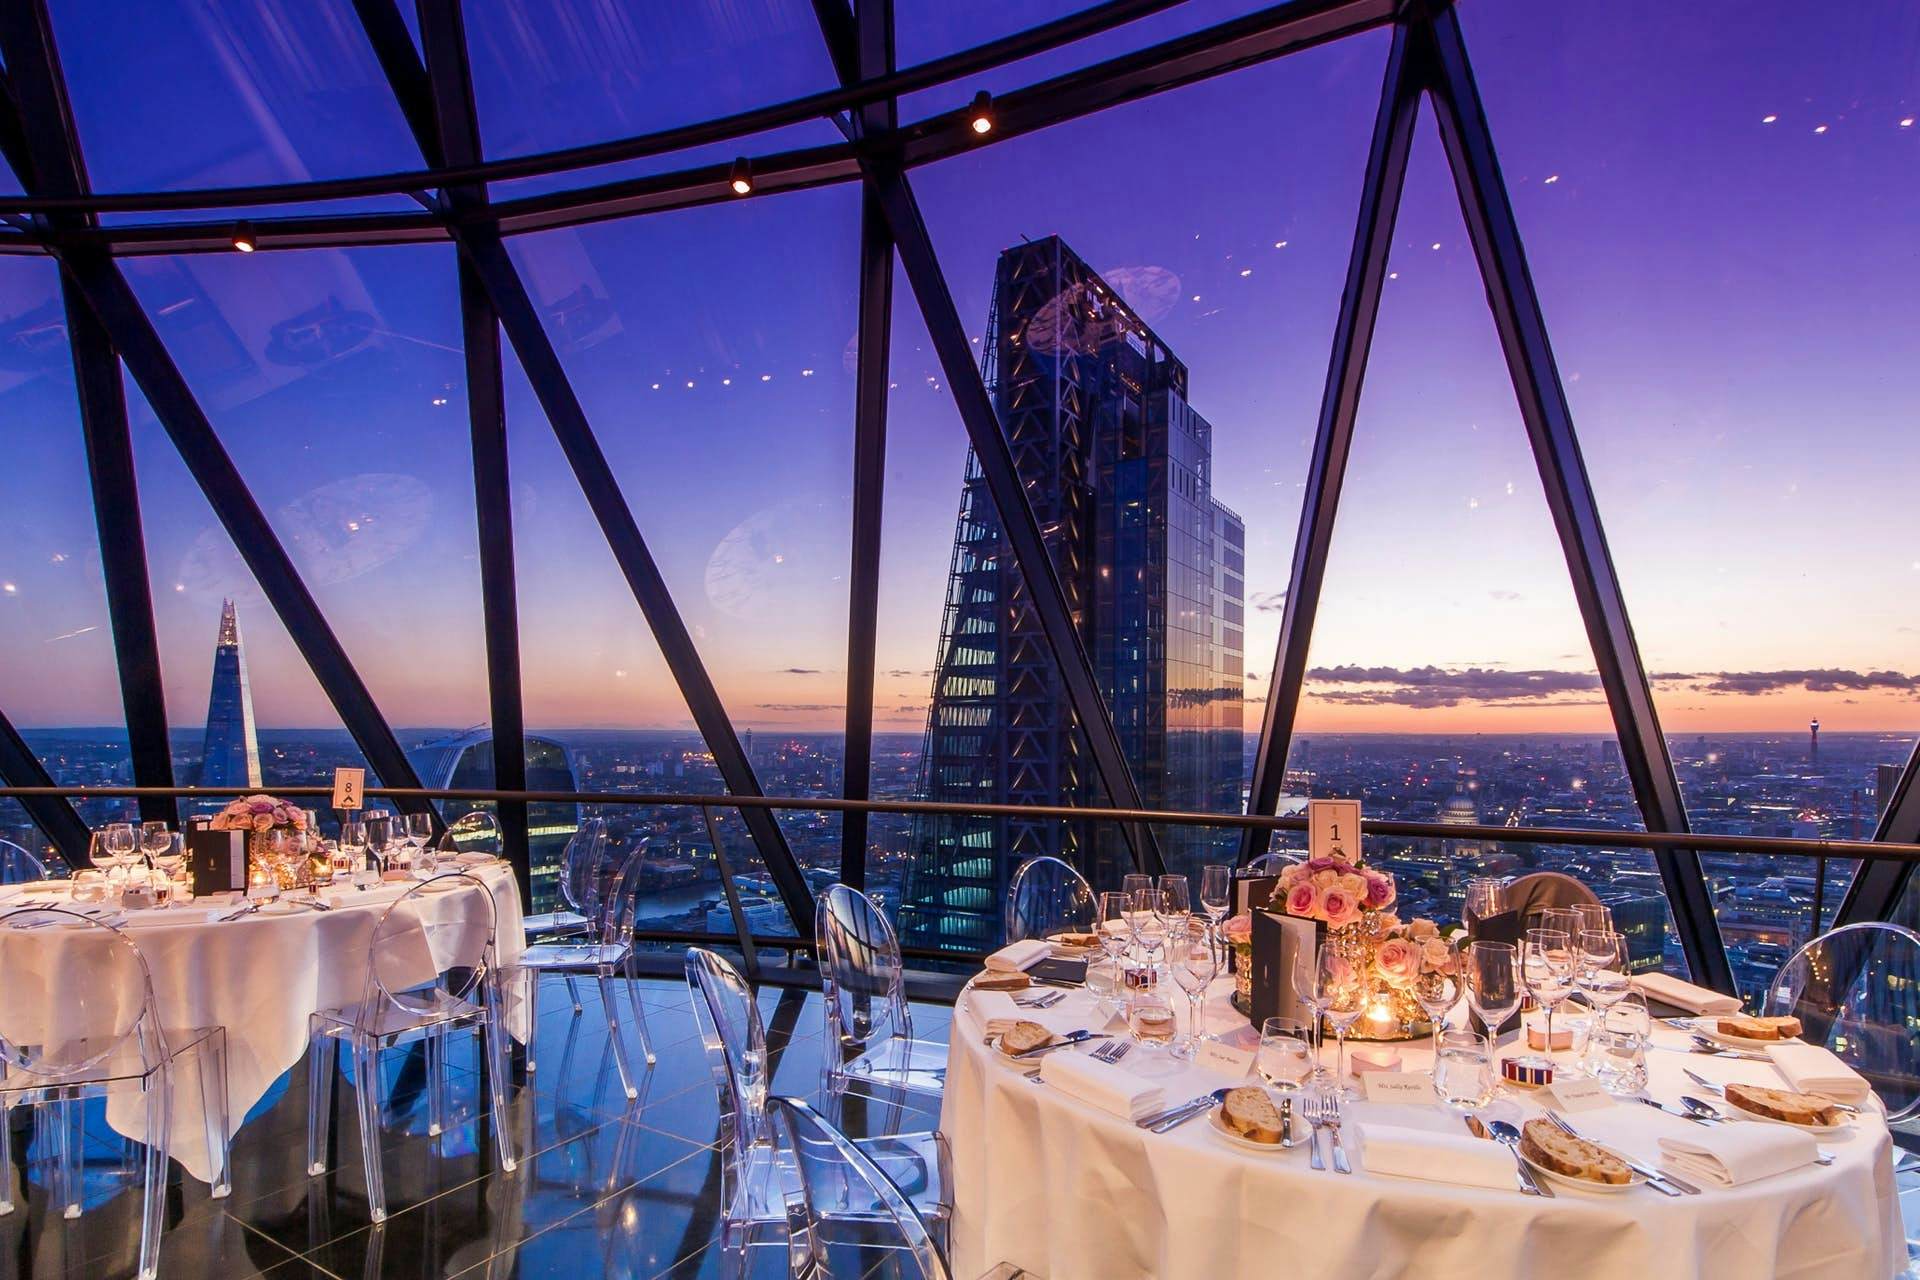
x=1813 y=743
x=232 y=754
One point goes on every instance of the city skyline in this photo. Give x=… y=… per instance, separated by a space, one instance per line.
x=1758 y=522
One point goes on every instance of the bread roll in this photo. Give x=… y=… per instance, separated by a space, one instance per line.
x=1759 y=1028
x=1551 y=1147
x=1783 y=1104
x=994 y=981
x=1023 y=1036
x=1250 y=1112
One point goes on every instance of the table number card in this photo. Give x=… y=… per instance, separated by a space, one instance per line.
x=1333 y=829
x=349 y=787
x=1579 y=1093
x=1398 y=1086
x=1224 y=1058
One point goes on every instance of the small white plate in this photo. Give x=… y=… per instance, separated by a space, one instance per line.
x=1710 y=1028
x=1584 y=1184
x=1300 y=1130
x=1738 y=1112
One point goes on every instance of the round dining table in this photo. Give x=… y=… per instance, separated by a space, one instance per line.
x=1065 y=1189
x=260 y=976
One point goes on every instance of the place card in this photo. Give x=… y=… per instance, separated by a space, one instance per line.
x=1399 y=1086
x=1224 y=1058
x=1579 y=1093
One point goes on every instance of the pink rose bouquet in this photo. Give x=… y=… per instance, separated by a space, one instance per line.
x=1334 y=890
x=1398 y=960
x=259 y=813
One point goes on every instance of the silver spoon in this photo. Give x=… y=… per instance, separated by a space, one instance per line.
x=1509 y=1137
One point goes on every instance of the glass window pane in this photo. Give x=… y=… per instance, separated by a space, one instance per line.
x=172 y=94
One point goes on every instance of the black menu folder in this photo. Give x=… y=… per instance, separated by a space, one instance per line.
x=217 y=861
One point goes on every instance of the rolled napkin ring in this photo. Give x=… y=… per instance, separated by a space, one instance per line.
x=1527 y=1071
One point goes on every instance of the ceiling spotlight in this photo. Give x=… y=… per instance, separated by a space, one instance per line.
x=243 y=237
x=980 y=114
x=740 y=178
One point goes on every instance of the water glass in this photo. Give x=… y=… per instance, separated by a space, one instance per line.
x=1463 y=1070
x=1285 y=1056
x=1616 y=1049
x=89 y=886
x=1150 y=1018
x=154 y=839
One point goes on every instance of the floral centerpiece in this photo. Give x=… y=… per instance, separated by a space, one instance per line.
x=261 y=816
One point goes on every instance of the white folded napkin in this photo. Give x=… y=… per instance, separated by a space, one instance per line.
x=998 y=1007
x=1812 y=1068
x=1461 y=1161
x=1105 y=1086
x=1684 y=995
x=1020 y=956
x=1730 y=1155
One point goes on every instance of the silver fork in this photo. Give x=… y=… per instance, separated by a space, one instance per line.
x=1044 y=1000
x=1323 y=1112
x=1112 y=1051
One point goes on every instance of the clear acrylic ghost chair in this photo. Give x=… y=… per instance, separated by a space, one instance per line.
x=604 y=950
x=17 y=866
x=430 y=973
x=1047 y=896
x=870 y=1044
x=476 y=831
x=98 y=1037
x=757 y=1171
x=585 y=852
x=1269 y=864
x=1857 y=991
x=845 y=1197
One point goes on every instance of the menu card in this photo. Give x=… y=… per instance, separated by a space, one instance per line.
x=1277 y=939
x=216 y=861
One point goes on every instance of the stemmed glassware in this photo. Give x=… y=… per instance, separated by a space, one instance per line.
x=353 y=845
x=121 y=845
x=1285 y=1056
x=1172 y=903
x=1306 y=987
x=1190 y=956
x=1216 y=899
x=170 y=861
x=1594 y=915
x=1437 y=989
x=1342 y=991
x=1546 y=965
x=154 y=839
x=1149 y=934
x=1485 y=896
x=1138 y=886
x=1493 y=983
x=1601 y=959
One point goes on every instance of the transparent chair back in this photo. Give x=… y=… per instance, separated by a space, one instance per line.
x=17 y=866
x=476 y=831
x=77 y=999
x=1269 y=864
x=860 y=970
x=841 y=1187
x=1856 y=990
x=735 y=1041
x=579 y=866
x=1047 y=896
x=430 y=951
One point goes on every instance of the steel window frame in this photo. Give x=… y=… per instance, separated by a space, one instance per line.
x=53 y=814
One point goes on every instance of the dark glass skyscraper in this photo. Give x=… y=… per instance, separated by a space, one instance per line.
x=1118 y=467
x=465 y=762
x=231 y=756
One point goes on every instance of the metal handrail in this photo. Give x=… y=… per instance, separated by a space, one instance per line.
x=1615 y=838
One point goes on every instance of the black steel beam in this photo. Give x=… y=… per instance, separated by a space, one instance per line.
x=1385 y=178
x=1002 y=476
x=1495 y=235
x=53 y=814
x=437 y=99
x=123 y=553
x=488 y=256
x=1071 y=27
x=861 y=44
x=1881 y=883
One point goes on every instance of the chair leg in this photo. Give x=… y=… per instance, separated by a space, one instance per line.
x=612 y=1007
x=323 y=1063
x=153 y=1196
x=366 y=1073
x=436 y=1050
x=65 y=1138
x=639 y=1012
x=533 y=1014
x=6 y=1159
x=573 y=993
x=211 y=1061
x=493 y=1044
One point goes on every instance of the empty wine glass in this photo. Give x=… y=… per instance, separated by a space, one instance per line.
x=419 y=830
x=1344 y=990
x=1216 y=897
x=171 y=860
x=1190 y=956
x=1136 y=885
x=1115 y=932
x=1485 y=896
x=1149 y=935
x=121 y=844
x=1594 y=915
x=1437 y=988
x=1493 y=983
x=1306 y=987
x=1546 y=965
x=1172 y=903
x=154 y=839
x=1601 y=955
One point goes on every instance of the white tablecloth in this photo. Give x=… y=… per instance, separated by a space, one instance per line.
x=1067 y=1191
x=259 y=977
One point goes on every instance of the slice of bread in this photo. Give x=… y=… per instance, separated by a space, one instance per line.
x=993 y=981
x=1783 y=1104
x=1081 y=940
x=1023 y=1036
x=1250 y=1112
x=1550 y=1147
x=1758 y=1028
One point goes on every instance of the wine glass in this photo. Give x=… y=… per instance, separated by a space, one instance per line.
x=1601 y=955
x=154 y=839
x=1285 y=1056
x=1306 y=987
x=1172 y=903
x=419 y=830
x=353 y=844
x=1546 y=965
x=1216 y=896
x=1437 y=989
x=1559 y=919
x=1343 y=991
x=171 y=860
x=1493 y=983
x=121 y=844
x=1594 y=915
x=1149 y=934
x=1485 y=896
x=1115 y=931
x=1190 y=953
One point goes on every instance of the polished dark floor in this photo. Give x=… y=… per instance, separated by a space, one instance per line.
x=604 y=1187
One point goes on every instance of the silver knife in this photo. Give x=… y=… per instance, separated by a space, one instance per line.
x=1286 y=1122
x=1678 y=1111
x=1073 y=1038
x=1178 y=1109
